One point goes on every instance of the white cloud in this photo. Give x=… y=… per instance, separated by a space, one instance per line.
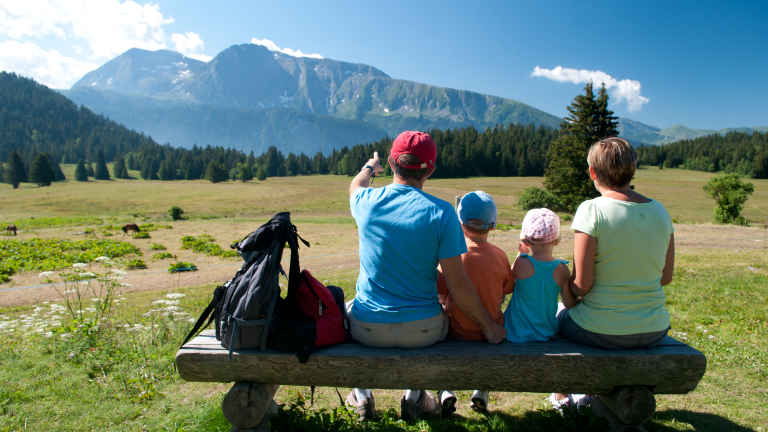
x=108 y=27
x=625 y=89
x=190 y=44
x=47 y=67
x=272 y=47
x=97 y=29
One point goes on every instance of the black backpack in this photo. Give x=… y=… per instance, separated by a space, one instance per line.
x=248 y=308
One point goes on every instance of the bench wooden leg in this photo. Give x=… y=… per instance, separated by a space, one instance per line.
x=249 y=405
x=626 y=408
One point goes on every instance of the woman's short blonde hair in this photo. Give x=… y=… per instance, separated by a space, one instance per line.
x=614 y=161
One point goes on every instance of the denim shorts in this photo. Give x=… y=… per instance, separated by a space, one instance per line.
x=572 y=331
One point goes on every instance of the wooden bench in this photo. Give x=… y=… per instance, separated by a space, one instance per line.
x=625 y=381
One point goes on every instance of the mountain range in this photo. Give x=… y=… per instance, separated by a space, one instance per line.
x=250 y=98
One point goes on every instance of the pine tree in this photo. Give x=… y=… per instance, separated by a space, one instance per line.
x=166 y=171
x=154 y=167
x=102 y=173
x=14 y=172
x=131 y=162
x=81 y=174
x=89 y=169
x=56 y=168
x=120 y=170
x=146 y=166
x=214 y=173
x=567 y=176
x=40 y=171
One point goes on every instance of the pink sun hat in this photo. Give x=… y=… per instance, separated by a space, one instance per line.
x=542 y=224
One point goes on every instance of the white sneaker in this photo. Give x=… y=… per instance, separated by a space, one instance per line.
x=447 y=402
x=479 y=401
x=559 y=404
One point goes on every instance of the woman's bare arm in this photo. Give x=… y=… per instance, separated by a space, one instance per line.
x=669 y=263
x=584 y=252
x=562 y=277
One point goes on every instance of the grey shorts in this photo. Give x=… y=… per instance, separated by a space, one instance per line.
x=572 y=331
x=412 y=334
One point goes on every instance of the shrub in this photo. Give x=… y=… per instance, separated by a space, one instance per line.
x=153 y=227
x=181 y=266
x=730 y=194
x=175 y=212
x=38 y=254
x=135 y=264
x=534 y=197
x=161 y=256
x=156 y=247
x=261 y=173
x=141 y=235
x=206 y=244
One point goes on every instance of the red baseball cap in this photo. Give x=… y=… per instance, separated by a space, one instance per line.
x=417 y=144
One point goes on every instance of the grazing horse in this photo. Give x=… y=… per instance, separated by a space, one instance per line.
x=11 y=229
x=130 y=227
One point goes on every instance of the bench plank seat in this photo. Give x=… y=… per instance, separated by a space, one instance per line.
x=556 y=366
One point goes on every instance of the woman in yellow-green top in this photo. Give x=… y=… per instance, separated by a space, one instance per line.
x=623 y=254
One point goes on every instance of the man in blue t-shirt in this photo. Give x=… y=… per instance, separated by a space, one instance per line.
x=404 y=234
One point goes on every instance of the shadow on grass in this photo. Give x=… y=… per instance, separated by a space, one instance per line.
x=699 y=421
x=297 y=417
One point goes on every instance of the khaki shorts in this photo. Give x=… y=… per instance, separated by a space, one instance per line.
x=412 y=334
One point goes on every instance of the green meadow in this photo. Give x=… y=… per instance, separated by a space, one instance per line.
x=111 y=368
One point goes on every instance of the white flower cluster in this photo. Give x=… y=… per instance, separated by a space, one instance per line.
x=175 y=295
x=39 y=321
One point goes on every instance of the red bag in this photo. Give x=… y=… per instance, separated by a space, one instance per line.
x=325 y=305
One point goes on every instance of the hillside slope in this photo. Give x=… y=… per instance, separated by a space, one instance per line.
x=36 y=118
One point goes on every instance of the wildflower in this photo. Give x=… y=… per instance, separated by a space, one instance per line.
x=45 y=274
x=175 y=295
x=88 y=274
x=79 y=265
x=97 y=299
x=70 y=291
x=172 y=308
x=118 y=272
x=126 y=285
x=49 y=334
x=101 y=258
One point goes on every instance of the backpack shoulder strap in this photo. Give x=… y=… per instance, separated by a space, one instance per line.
x=218 y=293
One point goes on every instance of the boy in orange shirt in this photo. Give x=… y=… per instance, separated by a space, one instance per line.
x=490 y=272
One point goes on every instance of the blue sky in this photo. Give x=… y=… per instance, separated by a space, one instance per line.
x=698 y=63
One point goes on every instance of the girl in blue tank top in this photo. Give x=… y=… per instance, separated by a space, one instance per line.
x=539 y=278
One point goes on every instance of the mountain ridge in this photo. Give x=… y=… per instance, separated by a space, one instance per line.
x=251 y=77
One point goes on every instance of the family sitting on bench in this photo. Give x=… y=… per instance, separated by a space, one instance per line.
x=426 y=273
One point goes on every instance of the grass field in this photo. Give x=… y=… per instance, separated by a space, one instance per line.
x=121 y=378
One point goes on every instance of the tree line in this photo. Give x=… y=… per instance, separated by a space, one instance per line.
x=735 y=152
x=37 y=123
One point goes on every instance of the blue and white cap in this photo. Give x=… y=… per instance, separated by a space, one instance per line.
x=479 y=206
